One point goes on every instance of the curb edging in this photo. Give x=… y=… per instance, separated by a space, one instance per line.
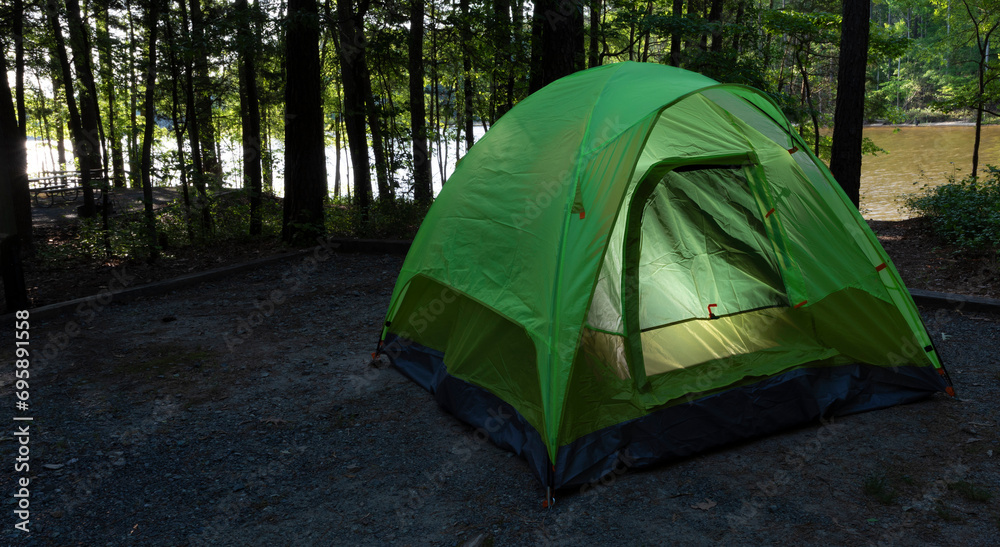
x=931 y=299
x=365 y=246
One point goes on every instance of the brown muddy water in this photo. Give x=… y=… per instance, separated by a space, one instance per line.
x=919 y=156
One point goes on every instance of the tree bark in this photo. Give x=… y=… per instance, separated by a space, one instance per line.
x=374 y=113
x=250 y=112
x=15 y=163
x=593 y=52
x=422 y=189
x=305 y=160
x=13 y=191
x=212 y=167
x=19 y=65
x=849 y=114
x=194 y=130
x=560 y=25
x=178 y=126
x=535 y=77
x=675 y=37
x=149 y=112
x=108 y=83
x=353 y=65
x=465 y=39
x=134 y=159
x=88 y=139
x=715 y=16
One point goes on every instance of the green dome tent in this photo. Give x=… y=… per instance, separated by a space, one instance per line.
x=637 y=263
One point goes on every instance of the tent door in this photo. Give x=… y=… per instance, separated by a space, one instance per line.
x=696 y=249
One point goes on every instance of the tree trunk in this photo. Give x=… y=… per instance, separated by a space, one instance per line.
x=374 y=112
x=108 y=83
x=501 y=59
x=13 y=197
x=194 y=130
x=149 y=112
x=179 y=128
x=715 y=16
x=212 y=167
x=516 y=51
x=849 y=114
x=422 y=190
x=535 y=78
x=250 y=112
x=88 y=140
x=305 y=160
x=134 y=160
x=561 y=40
x=18 y=29
x=465 y=39
x=593 y=54
x=675 y=37
x=353 y=68
x=15 y=163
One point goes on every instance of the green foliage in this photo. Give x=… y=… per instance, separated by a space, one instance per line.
x=390 y=218
x=126 y=236
x=966 y=212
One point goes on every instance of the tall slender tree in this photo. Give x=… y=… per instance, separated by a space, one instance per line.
x=211 y=165
x=149 y=112
x=557 y=32
x=849 y=114
x=105 y=50
x=985 y=21
x=13 y=177
x=353 y=68
x=87 y=143
x=422 y=190
x=247 y=44
x=305 y=159
x=194 y=127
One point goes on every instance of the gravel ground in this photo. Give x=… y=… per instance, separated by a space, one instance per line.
x=246 y=412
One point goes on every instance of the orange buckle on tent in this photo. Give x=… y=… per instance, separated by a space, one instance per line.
x=710 y=314
x=581 y=215
x=880 y=267
x=793 y=150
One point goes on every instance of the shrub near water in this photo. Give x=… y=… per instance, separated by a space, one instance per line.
x=965 y=213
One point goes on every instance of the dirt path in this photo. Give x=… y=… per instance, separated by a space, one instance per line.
x=245 y=412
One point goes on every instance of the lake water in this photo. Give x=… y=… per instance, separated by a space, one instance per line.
x=919 y=156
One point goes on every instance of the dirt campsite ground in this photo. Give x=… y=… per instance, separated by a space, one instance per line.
x=246 y=412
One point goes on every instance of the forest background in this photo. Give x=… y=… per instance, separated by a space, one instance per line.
x=404 y=85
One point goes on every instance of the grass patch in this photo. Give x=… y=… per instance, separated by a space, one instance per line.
x=877 y=486
x=970 y=491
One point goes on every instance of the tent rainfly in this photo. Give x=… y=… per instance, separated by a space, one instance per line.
x=638 y=263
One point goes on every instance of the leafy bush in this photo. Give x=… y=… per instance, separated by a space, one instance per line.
x=389 y=218
x=966 y=212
